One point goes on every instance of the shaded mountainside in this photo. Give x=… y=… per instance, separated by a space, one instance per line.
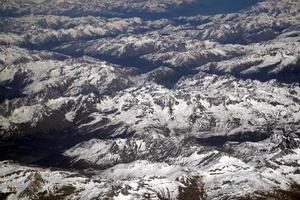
x=176 y=99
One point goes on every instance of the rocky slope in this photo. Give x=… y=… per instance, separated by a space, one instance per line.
x=140 y=100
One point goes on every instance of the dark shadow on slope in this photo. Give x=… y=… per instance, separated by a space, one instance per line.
x=13 y=89
x=284 y=77
x=45 y=149
x=9 y=93
x=291 y=193
x=289 y=75
x=239 y=137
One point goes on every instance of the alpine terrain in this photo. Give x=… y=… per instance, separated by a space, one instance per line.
x=150 y=99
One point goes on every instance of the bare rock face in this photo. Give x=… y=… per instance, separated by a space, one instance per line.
x=175 y=99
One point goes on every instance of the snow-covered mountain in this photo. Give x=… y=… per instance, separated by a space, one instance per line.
x=149 y=100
